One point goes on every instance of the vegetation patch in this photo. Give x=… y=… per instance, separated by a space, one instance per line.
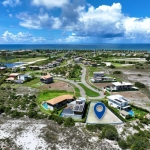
x=50 y=94
x=88 y=91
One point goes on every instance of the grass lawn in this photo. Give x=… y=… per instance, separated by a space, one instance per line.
x=50 y=94
x=34 y=83
x=92 y=69
x=88 y=91
x=117 y=64
x=139 y=112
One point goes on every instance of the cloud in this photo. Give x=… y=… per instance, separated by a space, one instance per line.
x=50 y=3
x=38 y=21
x=11 y=3
x=8 y=37
x=84 y=20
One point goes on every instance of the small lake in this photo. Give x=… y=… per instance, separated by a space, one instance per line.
x=11 y=65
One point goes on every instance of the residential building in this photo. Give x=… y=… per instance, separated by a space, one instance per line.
x=75 y=109
x=59 y=101
x=100 y=77
x=12 y=77
x=119 y=86
x=118 y=101
x=46 y=79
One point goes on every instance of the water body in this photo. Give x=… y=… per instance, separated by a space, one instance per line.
x=11 y=65
x=76 y=46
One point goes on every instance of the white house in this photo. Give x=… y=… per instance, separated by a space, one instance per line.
x=121 y=86
x=118 y=101
x=98 y=74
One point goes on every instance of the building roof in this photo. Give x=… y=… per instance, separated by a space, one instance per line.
x=14 y=74
x=10 y=79
x=121 y=83
x=59 y=99
x=118 y=98
x=98 y=72
x=46 y=77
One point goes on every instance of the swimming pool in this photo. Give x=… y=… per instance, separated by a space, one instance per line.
x=130 y=111
x=45 y=106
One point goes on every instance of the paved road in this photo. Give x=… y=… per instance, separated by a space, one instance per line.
x=82 y=92
x=88 y=86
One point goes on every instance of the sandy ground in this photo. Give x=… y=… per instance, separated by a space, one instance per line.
x=102 y=85
x=30 y=134
x=136 y=97
x=133 y=76
x=58 y=85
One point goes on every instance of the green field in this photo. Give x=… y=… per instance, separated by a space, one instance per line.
x=50 y=94
x=34 y=83
x=88 y=91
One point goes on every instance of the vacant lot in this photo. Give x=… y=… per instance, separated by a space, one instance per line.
x=136 y=97
x=102 y=85
x=58 y=85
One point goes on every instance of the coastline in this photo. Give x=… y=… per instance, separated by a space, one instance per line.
x=135 y=47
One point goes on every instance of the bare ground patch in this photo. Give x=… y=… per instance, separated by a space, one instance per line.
x=136 y=97
x=101 y=85
x=58 y=85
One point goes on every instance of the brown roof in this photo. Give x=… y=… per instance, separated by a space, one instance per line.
x=13 y=74
x=59 y=99
x=46 y=77
x=10 y=79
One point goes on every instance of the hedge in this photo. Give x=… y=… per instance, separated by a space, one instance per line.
x=114 y=111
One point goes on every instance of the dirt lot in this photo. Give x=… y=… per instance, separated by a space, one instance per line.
x=101 y=85
x=58 y=85
x=141 y=76
x=136 y=97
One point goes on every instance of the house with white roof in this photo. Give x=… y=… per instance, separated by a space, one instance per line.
x=100 y=77
x=119 y=86
x=118 y=101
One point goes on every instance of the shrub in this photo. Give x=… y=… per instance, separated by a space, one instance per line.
x=91 y=127
x=109 y=132
x=112 y=66
x=128 y=117
x=139 y=85
x=69 y=122
x=117 y=72
x=123 y=144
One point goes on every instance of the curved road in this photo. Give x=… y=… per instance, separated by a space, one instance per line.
x=82 y=92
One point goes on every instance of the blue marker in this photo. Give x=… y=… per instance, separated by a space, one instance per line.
x=99 y=113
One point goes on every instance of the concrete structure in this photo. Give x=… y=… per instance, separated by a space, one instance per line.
x=121 y=86
x=100 y=77
x=59 y=101
x=78 y=60
x=108 y=117
x=46 y=79
x=75 y=109
x=118 y=101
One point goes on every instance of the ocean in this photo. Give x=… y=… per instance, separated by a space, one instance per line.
x=76 y=46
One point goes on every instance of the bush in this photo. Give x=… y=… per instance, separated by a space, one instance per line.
x=128 y=117
x=112 y=66
x=69 y=122
x=117 y=72
x=109 y=132
x=139 y=85
x=58 y=119
x=123 y=144
x=91 y=127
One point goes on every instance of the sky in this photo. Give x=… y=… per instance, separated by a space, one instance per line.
x=74 y=21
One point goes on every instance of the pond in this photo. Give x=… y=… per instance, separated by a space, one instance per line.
x=11 y=65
